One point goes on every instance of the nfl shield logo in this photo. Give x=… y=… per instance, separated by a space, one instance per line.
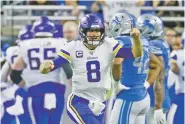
x=79 y=54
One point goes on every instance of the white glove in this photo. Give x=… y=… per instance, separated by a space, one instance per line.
x=120 y=87
x=96 y=107
x=146 y=84
x=159 y=116
x=17 y=108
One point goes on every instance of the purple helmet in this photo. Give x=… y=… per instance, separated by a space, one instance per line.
x=43 y=27
x=25 y=33
x=91 y=22
x=58 y=31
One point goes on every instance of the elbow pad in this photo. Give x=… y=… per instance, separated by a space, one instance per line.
x=16 y=76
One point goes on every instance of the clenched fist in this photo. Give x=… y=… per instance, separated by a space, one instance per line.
x=46 y=67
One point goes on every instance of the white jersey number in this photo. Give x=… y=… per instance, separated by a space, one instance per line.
x=93 y=71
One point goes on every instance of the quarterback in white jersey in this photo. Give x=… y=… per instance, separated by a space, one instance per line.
x=90 y=59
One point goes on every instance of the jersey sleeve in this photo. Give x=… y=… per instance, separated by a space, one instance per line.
x=65 y=52
x=8 y=51
x=64 y=56
x=156 y=48
x=125 y=48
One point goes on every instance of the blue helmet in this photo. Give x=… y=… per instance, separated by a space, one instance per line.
x=43 y=27
x=150 y=25
x=25 y=33
x=58 y=31
x=121 y=23
x=91 y=22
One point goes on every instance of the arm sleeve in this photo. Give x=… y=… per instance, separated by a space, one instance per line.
x=68 y=70
x=59 y=62
x=123 y=48
x=63 y=58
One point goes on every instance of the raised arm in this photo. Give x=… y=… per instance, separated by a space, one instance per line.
x=132 y=51
x=137 y=45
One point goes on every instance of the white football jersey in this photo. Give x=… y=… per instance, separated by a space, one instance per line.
x=91 y=68
x=179 y=84
x=11 y=54
x=34 y=52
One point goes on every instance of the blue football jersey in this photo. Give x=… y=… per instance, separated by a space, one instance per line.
x=161 y=48
x=134 y=71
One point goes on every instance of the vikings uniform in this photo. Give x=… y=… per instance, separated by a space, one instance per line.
x=8 y=93
x=160 y=47
x=176 y=113
x=11 y=54
x=46 y=92
x=91 y=78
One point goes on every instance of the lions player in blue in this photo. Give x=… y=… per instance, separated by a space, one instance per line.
x=151 y=28
x=132 y=103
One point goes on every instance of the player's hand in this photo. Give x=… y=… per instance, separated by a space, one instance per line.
x=159 y=116
x=135 y=33
x=121 y=87
x=46 y=67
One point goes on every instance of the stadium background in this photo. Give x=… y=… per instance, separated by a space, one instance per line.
x=16 y=14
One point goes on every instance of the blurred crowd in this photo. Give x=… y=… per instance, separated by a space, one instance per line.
x=172 y=33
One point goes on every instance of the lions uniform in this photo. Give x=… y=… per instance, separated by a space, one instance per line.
x=134 y=74
x=176 y=113
x=45 y=92
x=160 y=47
x=151 y=27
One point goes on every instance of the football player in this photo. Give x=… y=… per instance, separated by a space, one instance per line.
x=13 y=51
x=176 y=113
x=151 y=28
x=15 y=97
x=133 y=73
x=46 y=92
x=91 y=59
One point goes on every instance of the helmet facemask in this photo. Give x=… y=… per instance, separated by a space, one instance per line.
x=93 y=36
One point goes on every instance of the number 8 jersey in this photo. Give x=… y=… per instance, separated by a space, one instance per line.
x=34 y=52
x=91 y=68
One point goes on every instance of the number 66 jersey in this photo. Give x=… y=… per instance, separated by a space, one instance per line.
x=35 y=51
x=91 y=68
